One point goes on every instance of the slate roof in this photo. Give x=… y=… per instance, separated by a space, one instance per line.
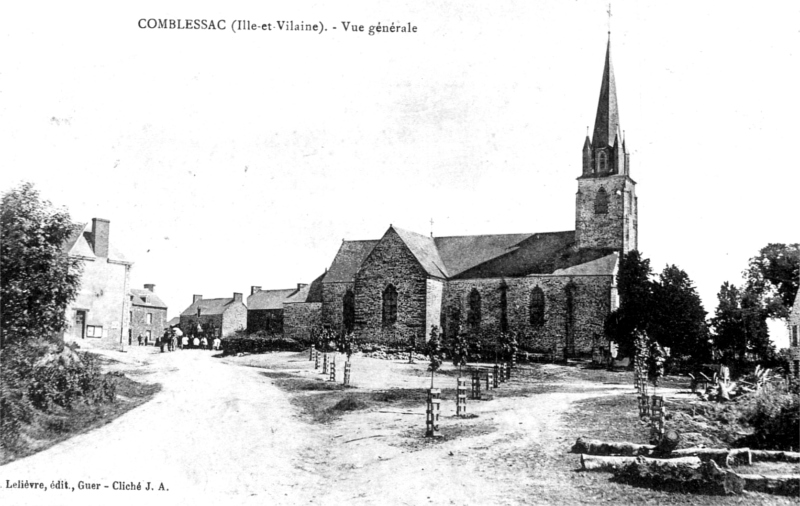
x=348 y=259
x=606 y=265
x=269 y=299
x=424 y=249
x=174 y=321
x=146 y=298
x=79 y=243
x=208 y=306
x=485 y=256
x=309 y=293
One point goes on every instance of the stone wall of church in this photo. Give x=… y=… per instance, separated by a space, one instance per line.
x=434 y=291
x=614 y=228
x=390 y=262
x=333 y=304
x=591 y=303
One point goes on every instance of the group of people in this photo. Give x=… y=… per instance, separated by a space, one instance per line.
x=174 y=337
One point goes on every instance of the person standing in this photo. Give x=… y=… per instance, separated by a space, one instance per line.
x=139 y=339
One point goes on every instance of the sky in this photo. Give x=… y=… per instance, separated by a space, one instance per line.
x=225 y=160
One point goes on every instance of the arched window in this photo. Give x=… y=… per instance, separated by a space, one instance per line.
x=389 y=305
x=474 y=313
x=601 y=202
x=537 y=307
x=348 y=310
x=570 y=290
x=601 y=162
x=503 y=307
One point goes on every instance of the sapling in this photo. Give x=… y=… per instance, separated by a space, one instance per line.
x=434 y=351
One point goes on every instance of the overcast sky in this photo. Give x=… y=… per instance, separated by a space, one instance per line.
x=225 y=160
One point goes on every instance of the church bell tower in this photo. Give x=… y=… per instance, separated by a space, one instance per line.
x=606 y=206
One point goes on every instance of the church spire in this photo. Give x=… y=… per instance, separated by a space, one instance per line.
x=606 y=123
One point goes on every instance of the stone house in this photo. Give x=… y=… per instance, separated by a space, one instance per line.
x=222 y=317
x=553 y=288
x=101 y=310
x=794 y=335
x=148 y=315
x=290 y=312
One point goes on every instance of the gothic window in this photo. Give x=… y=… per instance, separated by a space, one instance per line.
x=474 y=313
x=389 y=305
x=601 y=162
x=601 y=202
x=570 y=310
x=349 y=310
x=537 y=307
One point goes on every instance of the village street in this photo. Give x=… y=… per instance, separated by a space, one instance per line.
x=220 y=432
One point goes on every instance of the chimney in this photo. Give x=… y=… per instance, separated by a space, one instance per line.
x=100 y=228
x=254 y=289
x=195 y=298
x=150 y=286
x=237 y=297
x=300 y=286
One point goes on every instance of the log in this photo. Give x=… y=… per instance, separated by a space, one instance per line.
x=772 y=484
x=706 y=477
x=595 y=447
x=669 y=442
x=773 y=456
x=608 y=463
x=721 y=456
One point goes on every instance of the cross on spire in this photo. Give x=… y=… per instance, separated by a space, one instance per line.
x=431 y=227
x=609 y=19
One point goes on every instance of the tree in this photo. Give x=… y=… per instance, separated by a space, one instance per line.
x=434 y=351
x=635 y=289
x=774 y=275
x=678 y=319
x=740 y=325
x=37 y=280
x=459 y=351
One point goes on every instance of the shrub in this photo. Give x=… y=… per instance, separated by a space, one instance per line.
x=775 y=419
x=349 y=404
x=256 y=344
x=63 y=383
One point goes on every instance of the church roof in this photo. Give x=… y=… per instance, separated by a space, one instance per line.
x=308 y=293
x=606 y=265
x=606 y=123
x=425 y=250
x=461 y=253
x=348 y=259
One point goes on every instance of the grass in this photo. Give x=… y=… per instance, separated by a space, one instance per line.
x=48 y=429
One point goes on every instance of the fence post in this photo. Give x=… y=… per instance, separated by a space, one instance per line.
x=489 y=380
x=461 y=397
x=476 y=384
x=657 y=418
x=502 y=373
x=347 y=373
x=333 y=369
x=432 y=418
x=311 y=353
x=316 y=359
x=324 y=363
x=496 y=375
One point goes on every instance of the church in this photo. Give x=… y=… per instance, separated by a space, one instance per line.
x=554 y=289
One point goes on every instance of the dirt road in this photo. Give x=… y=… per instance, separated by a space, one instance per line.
x=220 y=432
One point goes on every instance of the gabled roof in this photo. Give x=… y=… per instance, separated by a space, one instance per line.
x=425 y=250
x=208 y=306
x=308 y=293
x=348 y=260
x=80 y=243
x=269 y=299
x=461 y=253
x=174 y=321
x=146 y=298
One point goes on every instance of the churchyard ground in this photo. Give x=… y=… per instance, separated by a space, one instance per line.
x=271 y=429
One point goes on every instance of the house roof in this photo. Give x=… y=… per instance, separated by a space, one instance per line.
x=348 y=260
x=79 y=243
x=174 y=321
x=269 y=299
x=208 y=306
x=144 y=297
